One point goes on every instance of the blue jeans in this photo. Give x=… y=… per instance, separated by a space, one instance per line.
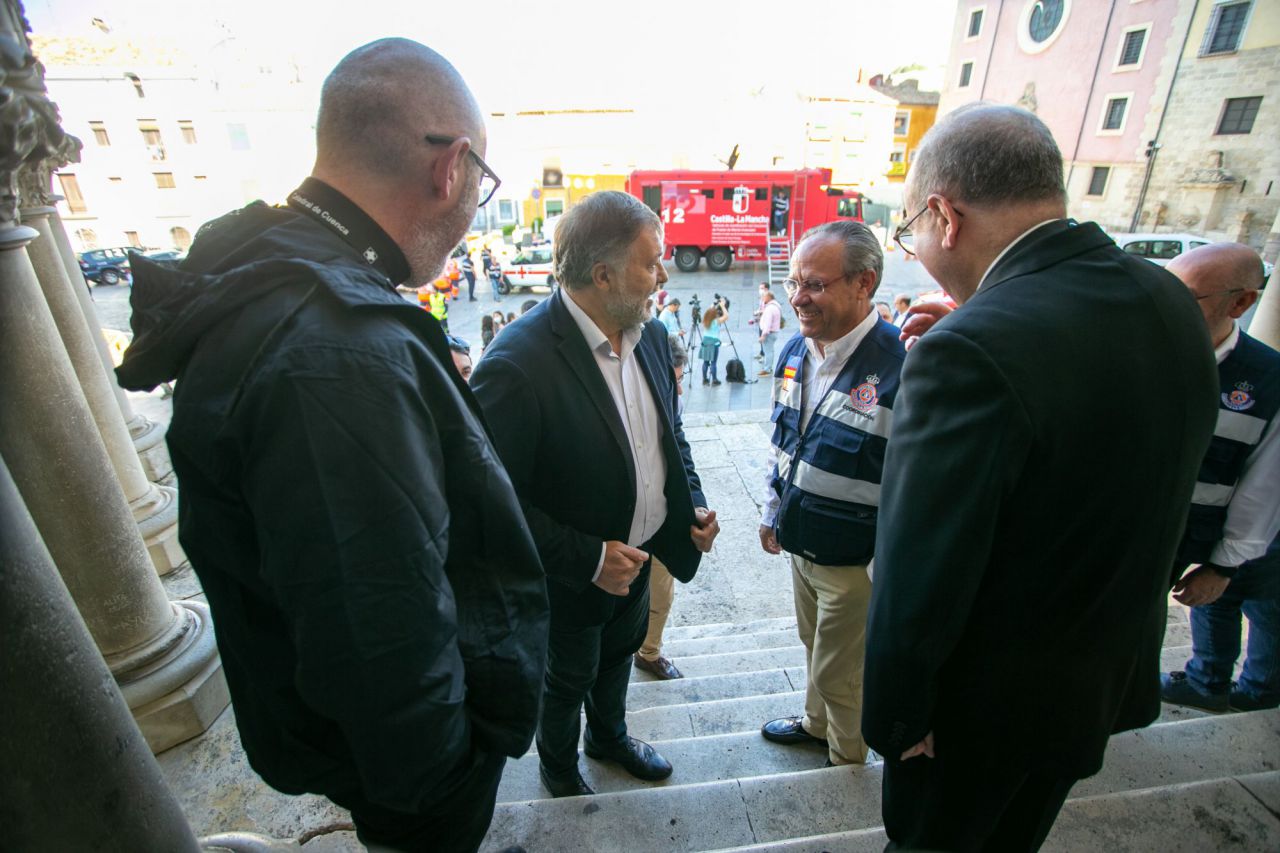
x=766 y=347
x=712 y=363
x=1215 y=634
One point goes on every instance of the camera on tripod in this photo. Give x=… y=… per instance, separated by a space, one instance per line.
x=695 y=309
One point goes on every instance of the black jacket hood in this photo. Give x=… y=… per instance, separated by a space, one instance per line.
x=235 y=260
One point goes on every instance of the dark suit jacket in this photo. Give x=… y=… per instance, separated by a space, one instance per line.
x=559 y=434
x=1045 y=446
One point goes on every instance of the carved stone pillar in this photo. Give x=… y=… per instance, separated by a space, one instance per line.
x=155 y=508
x=77 y=774
x=148 y=436
x=1266 y=320
x=162 y=654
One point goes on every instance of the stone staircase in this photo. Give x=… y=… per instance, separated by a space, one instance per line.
x=1190 y=782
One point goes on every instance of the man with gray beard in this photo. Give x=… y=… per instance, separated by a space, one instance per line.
x=582 y=404
x=380 y=607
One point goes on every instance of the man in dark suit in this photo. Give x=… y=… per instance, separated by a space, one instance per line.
x=1046 y=442
x=581 y=397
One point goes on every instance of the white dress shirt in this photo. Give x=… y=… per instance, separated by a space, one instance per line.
x=641 y=420
x=818 y=372
x=1253 y=516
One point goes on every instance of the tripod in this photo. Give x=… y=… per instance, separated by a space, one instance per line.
x=747 y=379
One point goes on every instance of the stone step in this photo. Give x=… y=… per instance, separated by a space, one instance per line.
x=1215 y=814
x=753 y=810
x=732 y=662
x=694 y=759
x=683 y=691
x=714 y=717
x=775 y=639
x=723 y=629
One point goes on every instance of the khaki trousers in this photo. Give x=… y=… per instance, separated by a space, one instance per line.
x=662 y=592
x=831 y=611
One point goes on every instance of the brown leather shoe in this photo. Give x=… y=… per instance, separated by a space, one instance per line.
x=660 y=668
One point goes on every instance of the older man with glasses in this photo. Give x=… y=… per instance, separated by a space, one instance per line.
x=834 y=389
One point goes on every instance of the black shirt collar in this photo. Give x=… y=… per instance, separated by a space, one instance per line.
x=343 y=217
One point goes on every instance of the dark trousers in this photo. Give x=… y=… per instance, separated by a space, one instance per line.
x=457 y=823
x=471 y=285
x=969 y=803
x=590 y=665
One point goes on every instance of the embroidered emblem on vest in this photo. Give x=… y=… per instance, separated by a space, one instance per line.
x=789 y=372
x=1240 y=399
x=370 y=255
x=865 y=397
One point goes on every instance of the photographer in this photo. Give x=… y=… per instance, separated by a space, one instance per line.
x=713 y=322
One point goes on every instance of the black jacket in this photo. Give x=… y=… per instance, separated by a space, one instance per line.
x=379 y=603
x=558 y=431
x=1045 y=444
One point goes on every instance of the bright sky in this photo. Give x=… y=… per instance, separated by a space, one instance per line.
x=558 y=53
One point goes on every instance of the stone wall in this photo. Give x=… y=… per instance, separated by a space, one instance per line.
x=1234 y=195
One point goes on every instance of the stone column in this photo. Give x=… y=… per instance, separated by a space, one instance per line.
x=1266 y=320
x=162 y=654
x=148 y=436
x=155 y=508
x=77 y=773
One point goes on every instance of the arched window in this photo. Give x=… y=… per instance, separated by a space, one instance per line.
x=181 y=237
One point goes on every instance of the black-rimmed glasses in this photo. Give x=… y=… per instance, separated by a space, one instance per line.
x=489 y=180
x=903 y=236
x=1224 y=292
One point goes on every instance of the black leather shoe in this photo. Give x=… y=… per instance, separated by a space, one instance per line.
x=635 y=756
x=661 y=668
x=789 y=730
x=566 y=785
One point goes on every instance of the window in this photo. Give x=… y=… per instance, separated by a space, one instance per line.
x=181 y=238
x=726 y=194
x=116 y=179
x=100 y=133
x=966 y=74
x=901 y=122
x=164 y=180
x=150 y=132
x=239 y=135
x=1226 y=26
x=506 y=210
x=975 y=23
x=1141 y=248
x=555 y=207
x=1098 y=180
x=896 y=156
x=819 y=133
x=1114 y=115
x=188 y=132
x=132 y=238
x=708 y=194
x=1238 y=115
x=1131 y=48
x=762 y=193
x=137 y=83
x=88 y=238
x=71 y=189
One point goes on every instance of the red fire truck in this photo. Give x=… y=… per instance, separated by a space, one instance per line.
x=748 y=215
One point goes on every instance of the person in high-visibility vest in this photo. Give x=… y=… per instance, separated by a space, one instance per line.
x=438 y=302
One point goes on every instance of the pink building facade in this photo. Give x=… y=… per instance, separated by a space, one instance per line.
x=1113 y=77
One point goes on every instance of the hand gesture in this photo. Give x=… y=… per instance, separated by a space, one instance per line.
x=704 y=529
x=769 y=540
x=921 y=317
x=621 y=565
x=924 y=747
x=1202 y=585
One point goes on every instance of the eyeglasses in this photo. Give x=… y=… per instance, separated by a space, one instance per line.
x=813 y=285
x=489 y=180
x=903 y=236
x=1224 y=292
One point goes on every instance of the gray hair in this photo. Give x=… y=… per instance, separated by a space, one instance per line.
x=988 y=154
x=861 y=248
x=598 y=229
x=679 y=355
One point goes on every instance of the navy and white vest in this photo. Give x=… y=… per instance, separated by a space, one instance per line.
x=1250 y=381
x=829 y=478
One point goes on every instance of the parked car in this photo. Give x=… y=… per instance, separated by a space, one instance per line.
x=105 y=266
x=531 y=267
x=170 y=255
x=1162 y=248
x=1159 y=248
